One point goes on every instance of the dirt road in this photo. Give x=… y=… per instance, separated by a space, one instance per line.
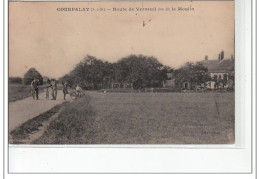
x=25 y=109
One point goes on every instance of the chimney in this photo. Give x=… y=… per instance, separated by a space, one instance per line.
x=206 y=58
x=221 y=56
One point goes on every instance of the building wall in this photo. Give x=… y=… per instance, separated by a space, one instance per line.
x=186 y=85
x=169 y=83
x=210 y=84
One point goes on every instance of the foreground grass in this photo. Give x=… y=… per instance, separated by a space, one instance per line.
x=145 y=118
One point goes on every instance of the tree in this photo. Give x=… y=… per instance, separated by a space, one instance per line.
x=215 y=79
x=195 y=74
x=142 y=71
x=90 y=73
x=201 y=75
x=224 y=81
x=231 y=80
x=69 y=79
x=30 y=75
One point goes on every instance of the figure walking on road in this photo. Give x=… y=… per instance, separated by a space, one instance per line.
x=35 y=88
x=64 y=89
x=54 y=89
x=47 y=93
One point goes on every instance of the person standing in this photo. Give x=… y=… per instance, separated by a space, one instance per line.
x=35 y=88
x=47 y=93
x=47 y=89
x=54 y=89
x=78 y=90
x=64 y=89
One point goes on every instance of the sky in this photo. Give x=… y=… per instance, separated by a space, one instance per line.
x=54 y=41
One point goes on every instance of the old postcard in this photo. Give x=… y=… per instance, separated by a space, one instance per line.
x=122 y=72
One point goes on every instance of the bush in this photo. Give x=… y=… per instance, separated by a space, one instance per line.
x=231 y=89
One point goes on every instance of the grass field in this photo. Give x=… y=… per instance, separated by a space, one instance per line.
x=145 y=118
x=18 y=91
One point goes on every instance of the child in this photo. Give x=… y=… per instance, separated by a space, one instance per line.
x=47 y=93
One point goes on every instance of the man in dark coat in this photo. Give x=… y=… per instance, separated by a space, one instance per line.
x=35 y=88
x=64 y=89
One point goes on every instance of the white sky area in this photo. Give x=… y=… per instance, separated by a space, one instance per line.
x=54 y=41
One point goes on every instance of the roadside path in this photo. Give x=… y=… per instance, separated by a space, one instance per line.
x=22 y=110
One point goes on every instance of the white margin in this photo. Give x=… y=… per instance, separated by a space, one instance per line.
x=247 y=45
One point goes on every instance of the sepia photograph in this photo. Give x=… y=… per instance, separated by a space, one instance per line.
x=121 y=72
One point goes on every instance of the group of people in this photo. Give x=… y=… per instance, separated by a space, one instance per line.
x=51 y=84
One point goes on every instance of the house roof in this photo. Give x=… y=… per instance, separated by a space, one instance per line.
x=226 y=65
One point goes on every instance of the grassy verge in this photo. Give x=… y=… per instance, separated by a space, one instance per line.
x=33 y=124
x=74 y=125
x=18 y=91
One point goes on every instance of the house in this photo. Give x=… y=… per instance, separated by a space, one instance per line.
x=221 y=72
x=169 y=83
x=186 y=85
x=122 y=85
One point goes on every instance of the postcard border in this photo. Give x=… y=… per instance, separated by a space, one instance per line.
x=252 y=101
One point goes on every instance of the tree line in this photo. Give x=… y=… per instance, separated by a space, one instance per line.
x=142 y=71
x=139 y=70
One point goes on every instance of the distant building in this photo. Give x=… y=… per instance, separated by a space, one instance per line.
x=170 y=82
x=186 y=85
x=221 y=72
x=122 y=85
